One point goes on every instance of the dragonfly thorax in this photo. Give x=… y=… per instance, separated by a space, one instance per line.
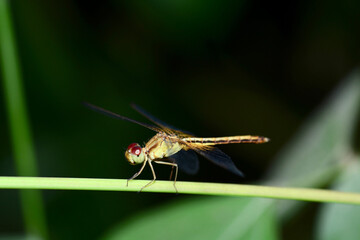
x=135 y=154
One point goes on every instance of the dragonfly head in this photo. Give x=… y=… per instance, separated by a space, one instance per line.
x=135 y=154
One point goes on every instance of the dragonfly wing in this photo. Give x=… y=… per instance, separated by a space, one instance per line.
x=157 y=121
x=218 y=157
x=187 y=161
x=118 y=116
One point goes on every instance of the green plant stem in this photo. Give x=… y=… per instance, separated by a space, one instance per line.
x=302 y=194
x=23 y=149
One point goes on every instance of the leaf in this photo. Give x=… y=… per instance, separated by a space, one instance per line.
x=209 y=218
x=321 y=143
x=341 y=221
x=315 y=154
x=266 y=228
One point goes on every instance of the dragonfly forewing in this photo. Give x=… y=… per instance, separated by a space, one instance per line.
x=165 y=126
x=118 y=116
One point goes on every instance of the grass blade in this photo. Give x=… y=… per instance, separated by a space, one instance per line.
x=19 y=127
x=219 y=189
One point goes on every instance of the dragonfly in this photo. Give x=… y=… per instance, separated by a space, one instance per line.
x=176 y=148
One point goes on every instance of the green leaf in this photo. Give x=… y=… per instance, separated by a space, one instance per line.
x=341 y=221
x=319 y=147
x=316 y=153
x=265 y=228
x=209 y=218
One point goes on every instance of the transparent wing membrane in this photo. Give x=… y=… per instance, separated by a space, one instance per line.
x=187 y=161
x=165 y=126
x=118 y=116
x=221 y=159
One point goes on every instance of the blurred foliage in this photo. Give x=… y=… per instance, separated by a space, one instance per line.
x=207 y=218
x=339 y=221
x=213 y=68
x=22 y=145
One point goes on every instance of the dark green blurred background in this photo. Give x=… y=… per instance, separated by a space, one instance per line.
x=215 y=68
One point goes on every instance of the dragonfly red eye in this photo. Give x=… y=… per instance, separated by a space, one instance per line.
x=131 y=146
x=136 y=150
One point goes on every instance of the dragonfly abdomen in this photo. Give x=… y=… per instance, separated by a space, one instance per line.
x=226 y=140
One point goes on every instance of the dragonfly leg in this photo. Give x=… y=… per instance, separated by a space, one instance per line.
x=136 y=174
x=171 y=173
x=174 y=165
x=151 y=182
